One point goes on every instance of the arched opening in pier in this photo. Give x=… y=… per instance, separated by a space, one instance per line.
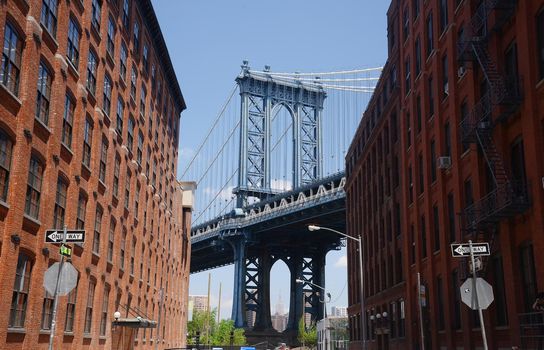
x=280 y=287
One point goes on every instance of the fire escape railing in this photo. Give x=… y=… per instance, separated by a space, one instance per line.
x=497 y=104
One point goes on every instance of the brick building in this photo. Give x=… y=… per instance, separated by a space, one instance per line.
x=470 y=124
x=89 y=125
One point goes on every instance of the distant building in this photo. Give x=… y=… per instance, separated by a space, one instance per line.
x=279 y=318
x=339 y=311
x=198 y=302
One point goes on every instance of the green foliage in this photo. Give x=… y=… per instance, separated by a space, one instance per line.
x=307 y=336
x=211 y=332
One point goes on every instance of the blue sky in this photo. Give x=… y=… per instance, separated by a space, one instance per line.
x=207 y=41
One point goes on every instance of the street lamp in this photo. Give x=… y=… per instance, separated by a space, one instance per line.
x=298 y=280
x=360 y=245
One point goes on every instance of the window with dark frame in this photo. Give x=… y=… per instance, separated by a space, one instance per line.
x=21 y=286
x=34 y=187
x=68 y=121
x=11 y=59
x=47 y=311
x=48 y=17
x=433 y=160
x=406 y=24
x=110 y=45
x=443 y=15
x=430 y=34
x=431 y=95
x=421 y=175
x=44 y=94
x=407 y=80
x=127 y=191
x=70 y=311
x=126 y=13
x=87 y=142
x=440 y=303
x=60 y=204
x=469 y=199
x=139 y=151
x=72 y=50
x=123 y=61
x=447 y=139
x=103 y=161
x=445 y=80
x=81 y=210
x=89 y=308
x=96 y=8
x=111 y=238
x=92 y=65
x=423 y=232
x=418 y=113
x=97 y=230
x=6 y=149
x=501 y=309
x=130 y=134
x=418 y=56
x=408 y=131
x=104 y=313
x=436 y=228
x=116 y=170
x=451 y=217
x=119 y=116
x=136 y=37
x=528 y=276
x=133 y=81
x=143 y=96
x=122 y=250
x=106 y=104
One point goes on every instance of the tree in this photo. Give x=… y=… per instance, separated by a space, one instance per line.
x=213 y=333
x=307 y=336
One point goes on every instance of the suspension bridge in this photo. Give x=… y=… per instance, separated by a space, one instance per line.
x=271 y=163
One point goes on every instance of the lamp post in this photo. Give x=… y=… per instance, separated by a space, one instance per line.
x=298 y=280
x=362 y=282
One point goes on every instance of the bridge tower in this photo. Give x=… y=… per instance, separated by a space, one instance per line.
x=261 y=97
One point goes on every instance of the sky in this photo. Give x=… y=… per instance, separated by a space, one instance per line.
x=208 y=40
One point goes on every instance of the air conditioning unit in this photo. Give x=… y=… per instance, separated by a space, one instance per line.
x=444 y=162
x=461 y=71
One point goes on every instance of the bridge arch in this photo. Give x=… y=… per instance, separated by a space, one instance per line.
x=280 y=278
x=282 y=147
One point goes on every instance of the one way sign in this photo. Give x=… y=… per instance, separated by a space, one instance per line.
x=72 y=236
x=463 y=249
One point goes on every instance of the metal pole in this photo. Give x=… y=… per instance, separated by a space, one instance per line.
x=475 y=295
x=362 y=286
x=56 y=297
x=420 y=311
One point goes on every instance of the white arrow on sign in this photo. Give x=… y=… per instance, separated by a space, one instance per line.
x=56 y=236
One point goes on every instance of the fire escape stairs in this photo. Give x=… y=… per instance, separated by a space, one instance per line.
x=507 y=199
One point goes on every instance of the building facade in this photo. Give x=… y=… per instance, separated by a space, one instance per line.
x=89 y=125
x=470 y=127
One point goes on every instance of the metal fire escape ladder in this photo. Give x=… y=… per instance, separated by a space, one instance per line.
x=503 y=201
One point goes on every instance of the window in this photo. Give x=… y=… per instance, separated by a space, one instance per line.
x=72 y=51
x=95 y=12
x=68 y=120
x=517 y=162
x=97 y=228
x=60 y=204
x=136 y=199
x=139 y=152
x=130 y=134
x=116 y=169
x=451 y=217
x=103 y=161
x=110 y=46
x=423 y=232
x=408 y=131
x=447 y=139
x=406 y=24
x=440 y=303
x=89 y=308
x=415 y=8
x=6 y=147
x=407 y=77
x=70 y=311
x=132 y=253
x=431 y=95
x=136 y=34
x=44 y=94
x=111 y=238
x=126 y=14
x=127 y=191
x=49 y=16
x=87 y=141
x=106 y=105
x=464 y=114
x=469 y=199
x=11 y=59
x=92 y=64
x=133 y=78
x=34 y=187
x=421 y=174
x=501 y=310
x=104 y=315
x=418 y=113
x=47 y=311
x=119 y=120
x=122 y=250
x=540 y=35
x=445 y=86
x=123 y=61
x=146 y=57
x=81 y=209
x=443 y=15
x=528 y=276
x=436 y=228
x=143 y=94
x=456 y=299
x=418 y=56
x=430 y=34
x=433 y=161
x=21 y=286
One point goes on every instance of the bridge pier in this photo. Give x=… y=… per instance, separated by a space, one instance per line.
x=238 y=300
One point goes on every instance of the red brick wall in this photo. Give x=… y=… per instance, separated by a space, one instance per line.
x=163 y=231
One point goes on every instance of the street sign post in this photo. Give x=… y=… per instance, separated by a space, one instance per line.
x=483 y=248
x=463 y=250
x=67 y=236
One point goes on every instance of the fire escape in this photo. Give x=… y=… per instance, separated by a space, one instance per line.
x=500 y=100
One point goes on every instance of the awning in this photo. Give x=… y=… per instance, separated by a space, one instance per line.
x=137 y=322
